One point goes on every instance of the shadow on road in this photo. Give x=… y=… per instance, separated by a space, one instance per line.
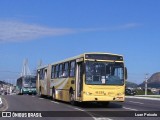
x=100 y=105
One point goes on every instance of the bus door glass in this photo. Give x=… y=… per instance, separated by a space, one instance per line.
x=79 y=79
x=45 y=81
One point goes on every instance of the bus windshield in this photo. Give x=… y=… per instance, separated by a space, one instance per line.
x=107 y=73
x=26 y=82
x=30 y=82
x=33 y=82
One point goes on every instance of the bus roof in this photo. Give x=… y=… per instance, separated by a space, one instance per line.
x=82 y=55
x=25 y=76
x=41 y=67
x=75 y=57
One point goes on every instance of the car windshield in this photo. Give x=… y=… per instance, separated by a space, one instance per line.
x=104 y=73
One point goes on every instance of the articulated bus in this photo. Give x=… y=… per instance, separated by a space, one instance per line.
x=26 y=85
x=89 y=77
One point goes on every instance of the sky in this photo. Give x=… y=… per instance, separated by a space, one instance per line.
x=53 y=30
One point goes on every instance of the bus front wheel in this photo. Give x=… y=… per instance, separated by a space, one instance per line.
x=21 y=92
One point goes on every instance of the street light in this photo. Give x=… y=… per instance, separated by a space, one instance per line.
x=146 y=78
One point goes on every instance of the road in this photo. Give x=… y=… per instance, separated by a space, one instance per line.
x=35 y=103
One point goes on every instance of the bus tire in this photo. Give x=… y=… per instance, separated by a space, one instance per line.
x=53 y=94
x=40 y=92
x=21 y=92
x=71 y=97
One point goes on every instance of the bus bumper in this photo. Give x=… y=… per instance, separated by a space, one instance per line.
x=103 y=98
x=29 y=91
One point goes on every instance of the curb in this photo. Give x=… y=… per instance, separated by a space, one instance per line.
x=146 y=98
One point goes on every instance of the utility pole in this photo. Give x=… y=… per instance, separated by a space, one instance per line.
x=146 y=78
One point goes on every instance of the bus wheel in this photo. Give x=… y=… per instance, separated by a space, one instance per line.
x=40 y=93
x=21 y=92
x=72 y=101
x=53 y=94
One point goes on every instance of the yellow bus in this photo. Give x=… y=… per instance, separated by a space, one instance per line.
x=89 y=77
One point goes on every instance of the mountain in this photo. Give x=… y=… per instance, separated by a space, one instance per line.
x=131 y=84
x=153 y=81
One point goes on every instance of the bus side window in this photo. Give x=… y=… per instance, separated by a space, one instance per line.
x=56 y=71
x=72 y=68
x=42 y=74
x=61 y=70
x=66 y=70
x=53 y=72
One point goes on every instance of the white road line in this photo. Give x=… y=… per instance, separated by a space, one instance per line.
x=0 y=101
x=6 y=103
x=102 y=118
x=79 y=109
x=41 y=98
x=92 y=115
x=33 y=96
x=136 y=102
x=130 y=109
x=98 y=118
x=54 y=102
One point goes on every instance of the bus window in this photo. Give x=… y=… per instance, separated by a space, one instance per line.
x=104 y=73
x=42 y=72
x=66 y=70
x=56 y=71
x=72 y=69
x=61 y=70
x=53 y=72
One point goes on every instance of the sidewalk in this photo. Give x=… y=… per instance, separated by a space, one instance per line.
x=147 y=97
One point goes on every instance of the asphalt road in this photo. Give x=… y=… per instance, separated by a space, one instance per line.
x=90 y=111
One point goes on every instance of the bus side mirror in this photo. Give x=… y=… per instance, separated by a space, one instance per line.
x=126 y=74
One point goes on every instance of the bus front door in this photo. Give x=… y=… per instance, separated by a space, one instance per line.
x=79 y=80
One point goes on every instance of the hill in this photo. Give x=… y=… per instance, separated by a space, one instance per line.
x=131 y=84
x=153 y=81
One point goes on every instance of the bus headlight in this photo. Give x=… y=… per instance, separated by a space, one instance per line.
x=119 y=94
x=87 y=93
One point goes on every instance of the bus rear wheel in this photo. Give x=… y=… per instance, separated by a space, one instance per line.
x=53 y=95
x=40 y=93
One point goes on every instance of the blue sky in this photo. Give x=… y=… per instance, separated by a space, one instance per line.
x=52 y=30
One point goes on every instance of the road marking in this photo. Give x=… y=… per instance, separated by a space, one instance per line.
x=33 y=96
x=102 y=118
x=0 y=101
x=98 y=118
x=79 y=109
x=136 y=102
x=130 y=109
x=54 y=102
x=92 y=115
x=5 y=104
x=41 y=98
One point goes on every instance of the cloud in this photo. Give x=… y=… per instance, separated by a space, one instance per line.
x=18 y=31
x=13 y=31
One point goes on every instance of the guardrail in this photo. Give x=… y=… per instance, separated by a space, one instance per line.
x=144 y=97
